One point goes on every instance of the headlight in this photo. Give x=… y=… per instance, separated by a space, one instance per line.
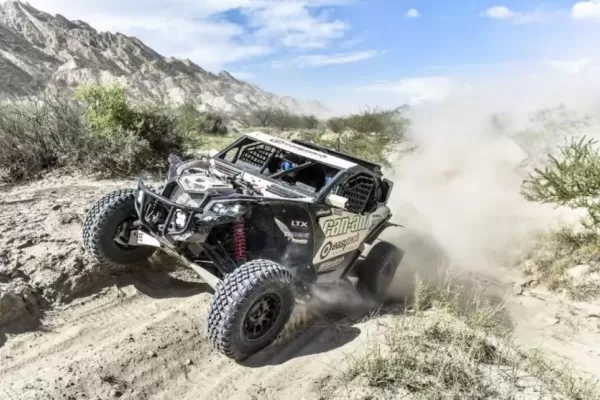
x=222 y=209
x=219 y=209
x=180 y=219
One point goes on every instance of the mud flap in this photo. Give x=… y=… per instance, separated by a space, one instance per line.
x=140 y=238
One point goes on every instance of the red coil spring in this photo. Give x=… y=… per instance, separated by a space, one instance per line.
x=239 y=241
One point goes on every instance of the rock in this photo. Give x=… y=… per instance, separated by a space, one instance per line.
x=151 y=354
x=17 y=299
x=518 y=289
x=188 y=362
x=579 y=272
x=68 y=218
x=116 y=393
x=25 y=244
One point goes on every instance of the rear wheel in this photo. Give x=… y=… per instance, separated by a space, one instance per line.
x=376 y=272
x=250 y=308
x=106 y=232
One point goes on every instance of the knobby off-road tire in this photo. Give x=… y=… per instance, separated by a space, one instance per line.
x=377 y=271
x=233 y=314
x=100 y=227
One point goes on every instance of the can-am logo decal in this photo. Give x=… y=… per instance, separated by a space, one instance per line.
x=344 y=225
x=340 y=246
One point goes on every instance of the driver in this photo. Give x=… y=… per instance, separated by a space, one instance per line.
x=288 y=162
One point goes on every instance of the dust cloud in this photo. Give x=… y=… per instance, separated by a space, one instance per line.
x=458 y=193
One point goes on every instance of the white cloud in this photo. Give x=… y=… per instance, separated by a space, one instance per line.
x=199 y=30
x=586 y=10
x=570 y=66
x=499 y=12
x=420 y=90
x=412 y=13
x=295 y=25
x=320 y=60
x=504 y=13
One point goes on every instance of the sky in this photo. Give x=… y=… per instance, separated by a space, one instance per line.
x=356 y=53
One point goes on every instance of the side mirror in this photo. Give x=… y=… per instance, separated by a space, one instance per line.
x=334 y=200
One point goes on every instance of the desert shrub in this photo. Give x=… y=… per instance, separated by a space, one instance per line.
x=370 y=134
x=284 y=120
x=262 y=117
x=106 y=108
x=193 y=124
x=270 y=117
x=571 y=178
x=38 y=134
x=122 y=139
x=546 y=130
x=97 y=128
x=336 y=125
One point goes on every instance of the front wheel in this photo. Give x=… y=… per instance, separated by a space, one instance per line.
x=106 y=232
x=250 y=308
x=375 y=274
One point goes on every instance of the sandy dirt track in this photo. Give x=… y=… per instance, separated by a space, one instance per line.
x=143 y=336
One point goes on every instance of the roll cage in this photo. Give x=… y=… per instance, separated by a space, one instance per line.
x=334 y=172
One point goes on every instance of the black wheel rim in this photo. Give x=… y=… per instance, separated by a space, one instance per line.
x=261 y=316
x=121 y=235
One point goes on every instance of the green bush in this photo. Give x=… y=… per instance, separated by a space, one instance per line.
x=193 y=124
x=97 y=129
x=106 y=108
x=123 y=139
x=39 y=134
x=277 y=118
x=571 y=178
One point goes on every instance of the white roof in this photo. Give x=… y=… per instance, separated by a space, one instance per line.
x=303 y=151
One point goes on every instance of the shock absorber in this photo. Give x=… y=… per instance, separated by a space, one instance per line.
x=239 y=241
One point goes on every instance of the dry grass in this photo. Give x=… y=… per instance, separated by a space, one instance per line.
x=450 y=346
x=567 y=260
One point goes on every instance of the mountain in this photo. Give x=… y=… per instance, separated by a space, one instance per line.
x=38 y=49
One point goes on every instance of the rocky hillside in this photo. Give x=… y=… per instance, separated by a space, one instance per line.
x=37 y=49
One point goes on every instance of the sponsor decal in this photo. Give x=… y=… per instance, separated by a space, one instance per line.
x=345 y=225
x=300 y=224
x=375 y=220
x=299 y=148
x=343 y=233
x=337 y=211
x=294 y=237
x=339 y=246
x=331 y=264
x=323 y=212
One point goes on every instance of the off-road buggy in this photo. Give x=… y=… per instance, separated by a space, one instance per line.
x=262 y=222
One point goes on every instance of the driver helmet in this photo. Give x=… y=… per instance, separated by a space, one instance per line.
x=285 y=165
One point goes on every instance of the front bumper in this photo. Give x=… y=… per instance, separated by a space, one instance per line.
x=162 y=217
x=149 y=205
